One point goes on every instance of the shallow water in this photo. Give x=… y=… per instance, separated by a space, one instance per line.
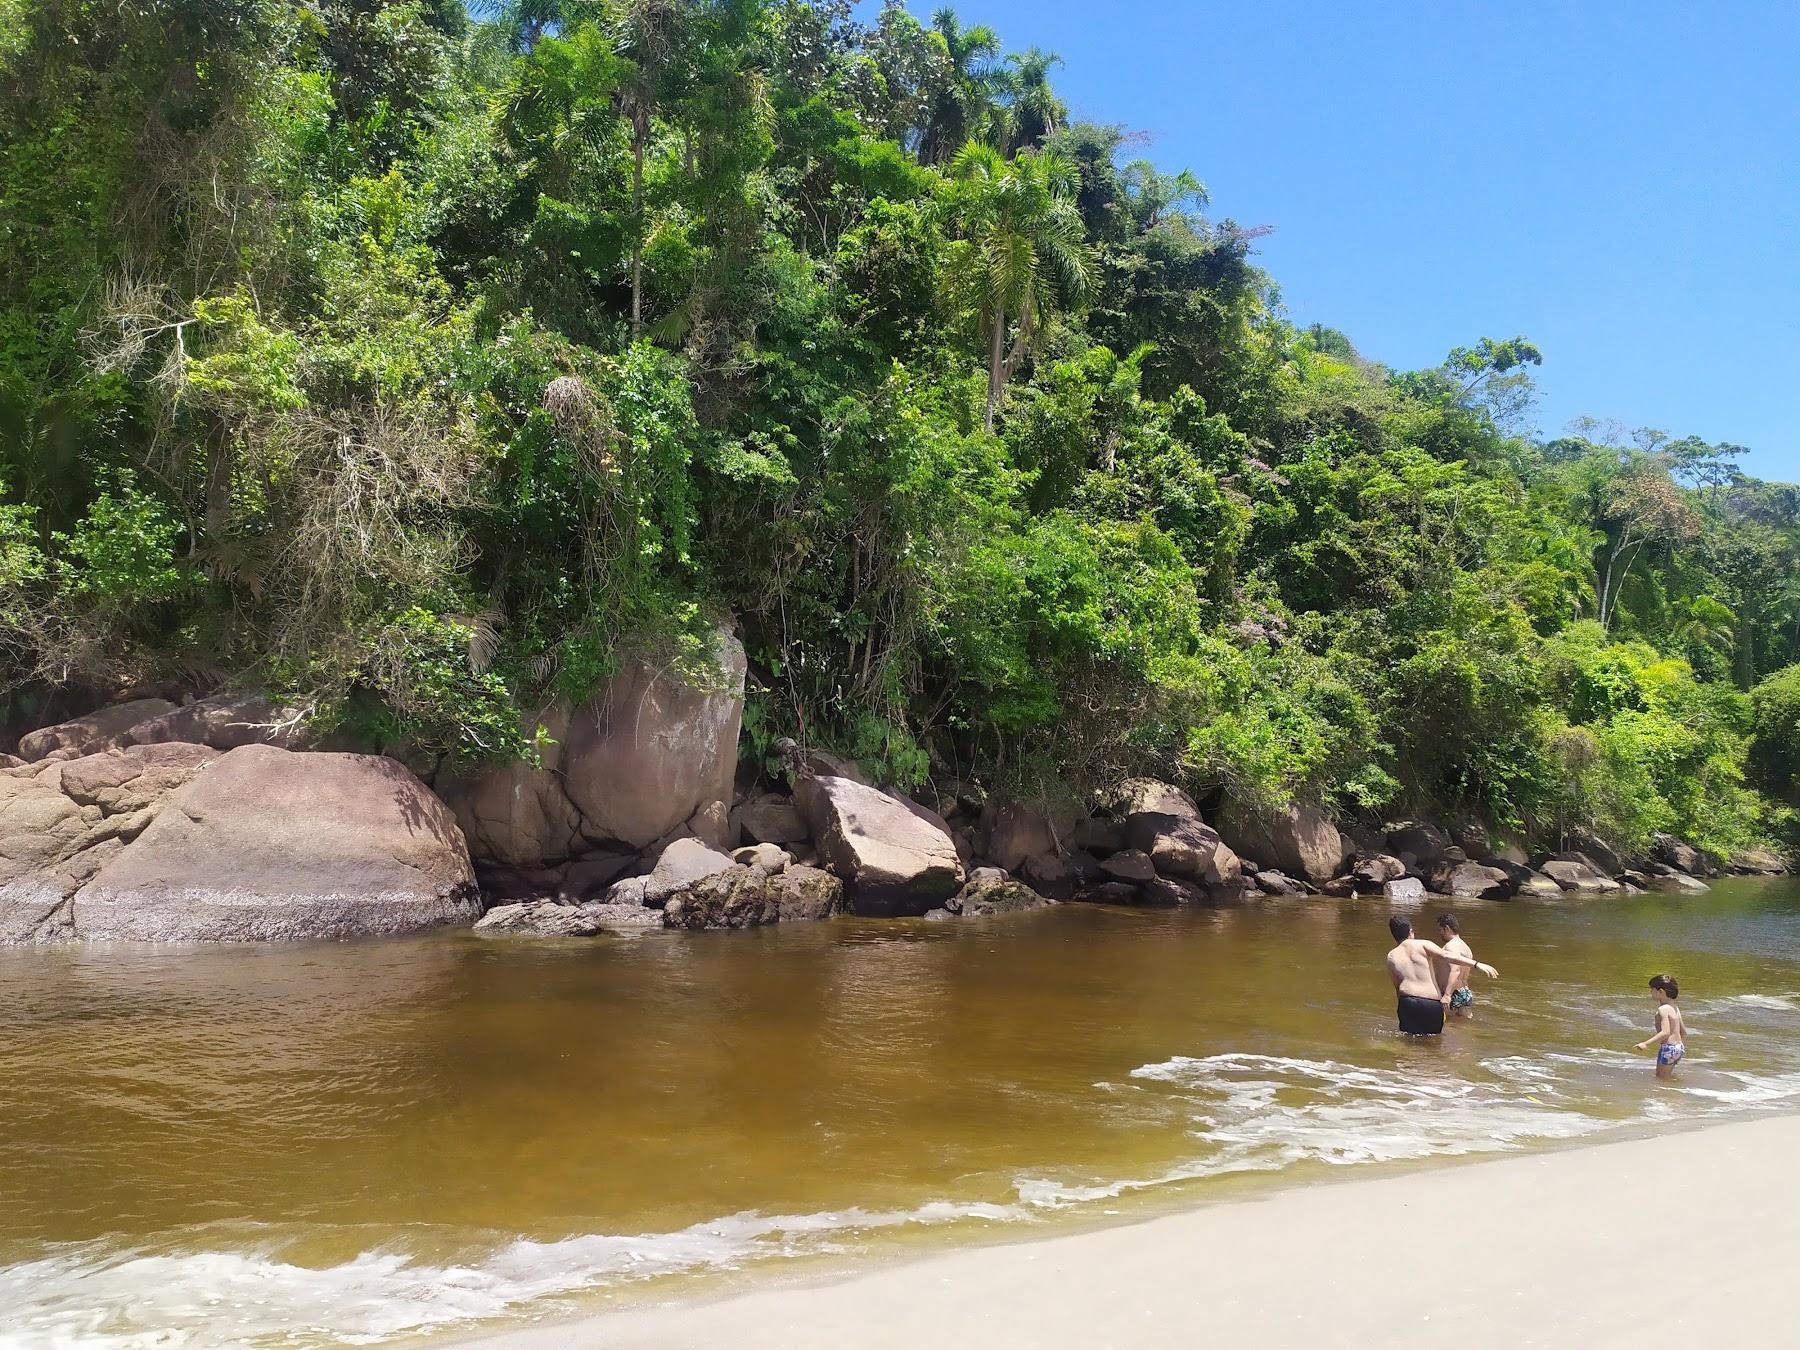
x=342 y=1144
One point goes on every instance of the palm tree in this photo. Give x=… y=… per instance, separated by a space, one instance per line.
x=1034 y=113
x=962 y=106
x=1028 y=248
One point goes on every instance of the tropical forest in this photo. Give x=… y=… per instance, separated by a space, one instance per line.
x=408 y=362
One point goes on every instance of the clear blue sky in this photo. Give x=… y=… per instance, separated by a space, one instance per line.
x=1620 y=182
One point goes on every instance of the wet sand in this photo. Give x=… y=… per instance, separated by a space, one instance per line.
x=1680 y=1239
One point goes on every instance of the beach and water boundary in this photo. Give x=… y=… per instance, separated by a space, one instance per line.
x=1676 y=1238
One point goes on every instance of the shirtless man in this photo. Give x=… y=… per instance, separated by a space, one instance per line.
x=1409 y=964
x=1453 y=981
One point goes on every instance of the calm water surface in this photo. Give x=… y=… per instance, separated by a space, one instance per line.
x=343 y=1144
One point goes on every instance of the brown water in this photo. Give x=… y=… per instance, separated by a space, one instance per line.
x=331 y=1144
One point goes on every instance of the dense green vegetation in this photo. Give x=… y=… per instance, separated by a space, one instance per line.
x=406 y=362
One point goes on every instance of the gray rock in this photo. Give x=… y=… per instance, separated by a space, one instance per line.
x=1404 y=890
x=991 y=891
x=1576 y=876
x=539 y=918
x=224 y=722
x=1167 y=891
x=1300 y=840
x=1049 y=876
x=1163 y=823
x=266 y=843
x=680 y=865
x=1680 y=881
x=769 y=819
x=1099 y=834
x=1677 y=853
x=1426 y=843
x=767 y=857
x=1110 y=893
x=711 y=825
x=1129 y=865
x=1011 y=832
x=612 y=918
x=1537 y=884
x=1372 y=871
x=894 y=856
x=1470 y=881
x=743 y=897
x=1279 y=883
x=1756 y=862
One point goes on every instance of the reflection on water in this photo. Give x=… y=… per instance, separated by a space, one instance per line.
x=346 y=1143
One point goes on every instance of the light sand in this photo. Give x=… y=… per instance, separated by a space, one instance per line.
x=1685 y=1241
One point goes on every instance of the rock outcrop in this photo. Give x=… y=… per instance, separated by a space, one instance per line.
x=679 y=866
x=268 y=843
x=630 y=766
x=1163 y=823
x=99 y=730
x=1301 y=840
x=894 y=856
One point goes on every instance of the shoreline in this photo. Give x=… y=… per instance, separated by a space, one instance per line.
x=1616 y=1242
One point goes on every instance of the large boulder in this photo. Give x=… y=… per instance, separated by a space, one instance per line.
x=1574 y=874
x=98 y=730
x=1471 y=881
x=1301 y=840
x=1756 y=862
x=630 y=766
x=224 y=722
x=61 y=821
x=1163 y=823
x=1677 y=853
x=1010 y=832
x=679 y=866
x=1423 y=843
x=1372 y=871
x=270 y=843
x=894 y=856
x=769 y=819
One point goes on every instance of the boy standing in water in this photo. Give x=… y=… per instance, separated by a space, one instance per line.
x=1671 y=1031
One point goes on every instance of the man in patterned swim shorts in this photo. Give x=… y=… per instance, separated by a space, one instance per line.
x=1453 y=979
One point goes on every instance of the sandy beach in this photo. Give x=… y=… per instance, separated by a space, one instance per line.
x=1682 y=1239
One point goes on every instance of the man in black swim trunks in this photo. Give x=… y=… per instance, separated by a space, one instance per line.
x=1409 y=964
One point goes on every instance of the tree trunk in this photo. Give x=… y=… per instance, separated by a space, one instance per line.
x=996 y=366
x=640 y=130
x=220 y=461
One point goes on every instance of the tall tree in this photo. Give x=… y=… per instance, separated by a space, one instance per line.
x=1029 y=252
x=964 y=102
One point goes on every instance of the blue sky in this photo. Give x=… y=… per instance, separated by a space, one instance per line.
x=1618 y=181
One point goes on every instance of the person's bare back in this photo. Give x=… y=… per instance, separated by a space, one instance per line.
x=1413 y=968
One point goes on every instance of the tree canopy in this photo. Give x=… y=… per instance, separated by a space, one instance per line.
x=406 y=360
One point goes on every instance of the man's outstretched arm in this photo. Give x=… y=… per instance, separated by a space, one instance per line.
x=1455 y=960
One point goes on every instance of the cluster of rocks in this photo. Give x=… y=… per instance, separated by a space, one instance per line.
x=218 y=820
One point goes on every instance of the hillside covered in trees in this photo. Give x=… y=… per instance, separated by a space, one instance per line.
x=405 y=361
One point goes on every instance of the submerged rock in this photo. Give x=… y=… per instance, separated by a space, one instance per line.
x=991 y=891
x=539 y=918
x=746 y=897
